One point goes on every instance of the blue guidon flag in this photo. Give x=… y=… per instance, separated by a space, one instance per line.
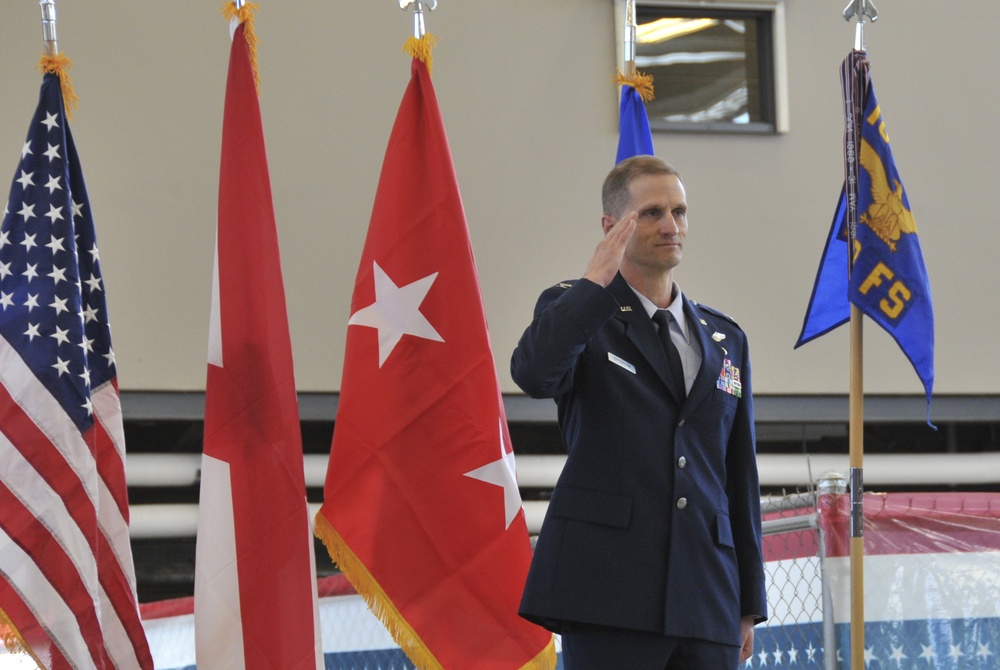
x=885 y=275
x=634 y=136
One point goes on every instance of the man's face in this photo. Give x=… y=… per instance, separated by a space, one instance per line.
x=658 y=242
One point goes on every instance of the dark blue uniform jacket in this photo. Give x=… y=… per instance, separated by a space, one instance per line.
x=654 y=523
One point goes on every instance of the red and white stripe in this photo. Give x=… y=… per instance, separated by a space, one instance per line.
x=65 y=547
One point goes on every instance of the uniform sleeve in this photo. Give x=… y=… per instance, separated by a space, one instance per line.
x=566 y=318
x=745 y=501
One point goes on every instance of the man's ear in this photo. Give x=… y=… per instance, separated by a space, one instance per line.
x=607 y=223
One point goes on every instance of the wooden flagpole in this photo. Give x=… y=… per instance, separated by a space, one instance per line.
x=857 y=450
x=860 y=9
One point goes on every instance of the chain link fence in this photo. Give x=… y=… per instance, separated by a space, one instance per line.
x=795 y=634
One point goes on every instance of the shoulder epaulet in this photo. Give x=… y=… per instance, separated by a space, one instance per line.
x=716 y=312
x=565 y=284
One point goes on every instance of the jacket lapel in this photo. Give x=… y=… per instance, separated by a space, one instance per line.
x=639 y=329
x=711 y=354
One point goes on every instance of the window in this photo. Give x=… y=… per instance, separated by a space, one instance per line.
x=715 y=67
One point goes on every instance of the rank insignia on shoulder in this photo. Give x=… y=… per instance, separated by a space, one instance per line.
x=729 y=379
x=564 y=284
x=712 y=310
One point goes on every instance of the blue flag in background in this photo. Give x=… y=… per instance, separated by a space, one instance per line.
x=887 y=280
x=634 y=138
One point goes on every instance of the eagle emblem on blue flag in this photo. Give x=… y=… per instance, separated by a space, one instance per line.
x=888 y=215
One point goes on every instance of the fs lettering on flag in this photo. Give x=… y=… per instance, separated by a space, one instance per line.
x=886 y=277
x=67 y=585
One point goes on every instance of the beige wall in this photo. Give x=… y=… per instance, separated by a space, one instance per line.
x=531 y=114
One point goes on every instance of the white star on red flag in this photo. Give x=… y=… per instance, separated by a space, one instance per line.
x=396 y=312
x=502 y=472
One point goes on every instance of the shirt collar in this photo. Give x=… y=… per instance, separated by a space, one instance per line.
x=676 y=308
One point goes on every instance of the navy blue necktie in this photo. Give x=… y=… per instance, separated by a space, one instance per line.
x=663 y=318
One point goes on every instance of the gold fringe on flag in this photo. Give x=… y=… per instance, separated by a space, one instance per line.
x=420 y=48
x=377 y=600
x=245 y=15
x=546 y=660
x=642 y=83
x=59 y=66
x=11 y=638
x=382 y=607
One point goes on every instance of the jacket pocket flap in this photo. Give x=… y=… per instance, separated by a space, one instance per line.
x=724 y=530
x=607 y=509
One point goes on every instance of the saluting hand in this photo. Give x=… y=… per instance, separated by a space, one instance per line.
x=607 y=258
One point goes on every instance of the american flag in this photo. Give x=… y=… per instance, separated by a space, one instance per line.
x=67 y=582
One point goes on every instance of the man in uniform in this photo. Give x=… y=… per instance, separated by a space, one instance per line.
x=650 y=553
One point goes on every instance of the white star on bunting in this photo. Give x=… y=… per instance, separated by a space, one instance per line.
x=897 y=654
x=396 y=312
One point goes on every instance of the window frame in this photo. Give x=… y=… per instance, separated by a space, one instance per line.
x=772 y=62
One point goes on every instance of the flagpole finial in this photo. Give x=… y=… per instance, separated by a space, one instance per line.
x=419 y=29
x=629 y=75
x=53 y=62
x=48 y=8
x=630 y=38
x=242 y=12
x=861 y=9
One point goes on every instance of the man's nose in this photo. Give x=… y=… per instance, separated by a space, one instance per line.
x=668 y=225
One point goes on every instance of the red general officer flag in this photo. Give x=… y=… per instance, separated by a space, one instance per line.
x=421 y=508
x=255 y=586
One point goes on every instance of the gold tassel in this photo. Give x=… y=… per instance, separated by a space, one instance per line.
x=642 y=83
x=421 y=49
x=377 y=600
x=59 y=66
x=11 y=638
x=245 y=15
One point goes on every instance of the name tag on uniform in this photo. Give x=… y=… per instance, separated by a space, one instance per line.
x=621 y=362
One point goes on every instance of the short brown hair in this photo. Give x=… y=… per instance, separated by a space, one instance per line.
x=615 y=194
